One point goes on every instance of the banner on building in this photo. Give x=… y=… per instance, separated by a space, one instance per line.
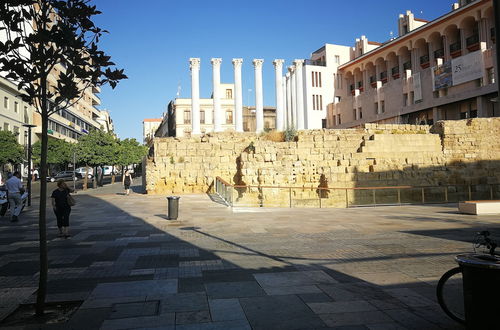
x=458 y=71
x=417 y=87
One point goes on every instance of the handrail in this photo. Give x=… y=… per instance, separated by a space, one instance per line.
x=232 y=193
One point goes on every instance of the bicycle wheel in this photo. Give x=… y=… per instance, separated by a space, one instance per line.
x=450 y=296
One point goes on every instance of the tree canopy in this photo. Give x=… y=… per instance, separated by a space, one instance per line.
x=97 y=148
x=58 y=151
x=131 y=152
x=10 y=150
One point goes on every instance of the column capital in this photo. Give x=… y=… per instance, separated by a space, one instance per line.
x=237 y=62
x=194 y=62
x=278 y=63
x=216 y=61
x=257 y=62
x=298 y=63
x=291 y=69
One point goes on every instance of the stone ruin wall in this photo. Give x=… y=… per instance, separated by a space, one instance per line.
x=449 y=152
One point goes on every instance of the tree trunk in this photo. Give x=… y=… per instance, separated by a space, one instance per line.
x=42 y=221
x=96 y=177
x=113 y=174
x=86 y=179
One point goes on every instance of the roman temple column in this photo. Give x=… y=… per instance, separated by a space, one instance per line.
x=299 y=84
x=216 y=62
x=238 y=96
x=195 y=95
x=259 y=108
x=278 y=70
x=293 y=95
x=289 y=123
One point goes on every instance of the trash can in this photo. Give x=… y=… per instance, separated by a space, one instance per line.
x=173 y=207
x=481 y=283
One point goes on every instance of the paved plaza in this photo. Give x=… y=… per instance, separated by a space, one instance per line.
x=217 y=268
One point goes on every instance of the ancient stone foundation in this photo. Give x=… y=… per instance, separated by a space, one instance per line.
x=464 y=152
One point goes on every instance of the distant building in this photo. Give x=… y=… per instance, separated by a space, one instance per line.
x=249 y=119
x=149 y=127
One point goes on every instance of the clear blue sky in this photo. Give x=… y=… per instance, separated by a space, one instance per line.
x=153 y=40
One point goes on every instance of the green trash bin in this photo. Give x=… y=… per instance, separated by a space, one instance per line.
x=173 y=207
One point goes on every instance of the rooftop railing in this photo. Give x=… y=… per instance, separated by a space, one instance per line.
x=325 y=197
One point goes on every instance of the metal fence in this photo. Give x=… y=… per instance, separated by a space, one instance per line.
x=324 y=197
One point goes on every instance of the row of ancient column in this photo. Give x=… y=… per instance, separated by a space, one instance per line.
x=289 y=95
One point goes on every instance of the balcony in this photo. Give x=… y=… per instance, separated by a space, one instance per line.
x=407 y=65
x=439 y=53
x=455 y=49
x=472 y=42
x=424 y=61
x=383 y=76
x=315 y=62
x=395 y=72
x=360 y=86
x=351 y=87
x=373 y=81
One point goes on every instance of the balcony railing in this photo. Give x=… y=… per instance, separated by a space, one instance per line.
x=455 y=49
x=373 y=81
x=439 y=53
x=395 y=72
x=383 y=76
x=407 y=65
x=472 y=42
x=424 y=61
x=325 y=197
x=315 y=62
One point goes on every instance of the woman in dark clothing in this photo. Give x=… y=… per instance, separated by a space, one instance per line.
x=127 y=181
x=61 y=207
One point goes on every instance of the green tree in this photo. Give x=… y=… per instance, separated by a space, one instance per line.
x=95 y=149
x=10 y=150
x=131 y=152
x=59 y=152
x=40 y=34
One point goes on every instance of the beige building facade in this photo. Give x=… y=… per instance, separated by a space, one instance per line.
x=438 y=70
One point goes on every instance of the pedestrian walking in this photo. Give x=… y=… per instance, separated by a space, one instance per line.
x=61 y=203
x=14 y=191
x=127 y=181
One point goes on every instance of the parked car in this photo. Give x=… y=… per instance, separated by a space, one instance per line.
x=82 y=171
x=65 y=175
x=108 y=170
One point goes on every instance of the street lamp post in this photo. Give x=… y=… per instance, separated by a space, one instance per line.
x=29 y=126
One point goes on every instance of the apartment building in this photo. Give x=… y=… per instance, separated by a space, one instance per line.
x=442 y=69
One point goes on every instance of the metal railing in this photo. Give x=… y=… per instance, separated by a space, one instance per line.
x=407 y=65
x=472 y=40
x=439 y=53
x=325 y=197
x=424 y=59
x=455 y=47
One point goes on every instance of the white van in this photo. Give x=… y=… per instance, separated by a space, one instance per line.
x=108 y=170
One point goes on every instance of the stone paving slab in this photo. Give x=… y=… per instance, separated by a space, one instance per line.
x=214 y=268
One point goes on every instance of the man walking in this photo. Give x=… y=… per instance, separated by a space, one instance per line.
x=14 y=189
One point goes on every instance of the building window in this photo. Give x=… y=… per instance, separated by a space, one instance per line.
x=16 y=107
x=229 y=93
x=405 y=99
x=5 y=126
x=382 y=106
x=376 y=108
x=312 y=78
x=340 y=120
x=337 y=59
x=412 y=97
x=202 y=116
x=334 y=120
x=187 y=117
x=314 y=102
x=229 y=117
x=16 y=133
x=319 y=75
x=490 y=73
x=360 y=113
x=6 y=102
x=320 y=102
x=354 y=114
